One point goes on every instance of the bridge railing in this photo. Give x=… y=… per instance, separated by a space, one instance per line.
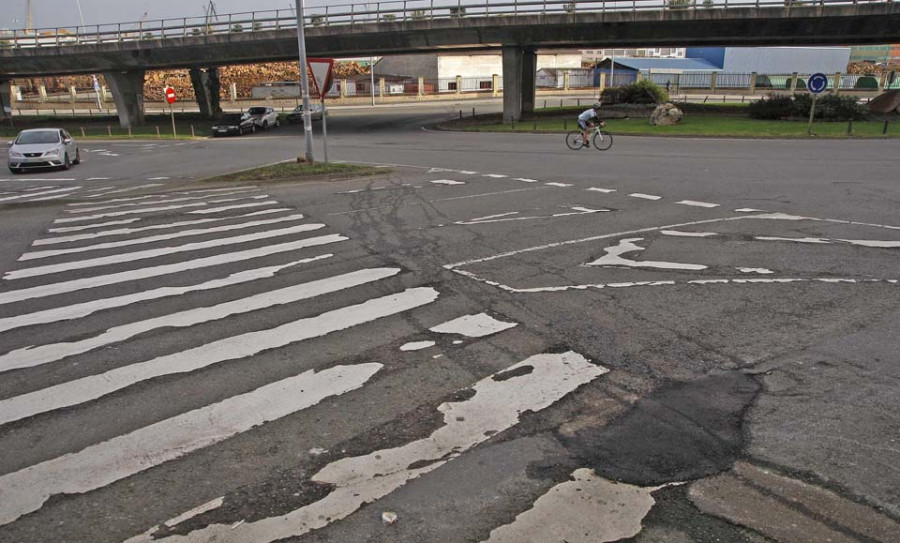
x=387 y=12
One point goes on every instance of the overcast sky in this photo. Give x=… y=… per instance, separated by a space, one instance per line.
x=53 y=13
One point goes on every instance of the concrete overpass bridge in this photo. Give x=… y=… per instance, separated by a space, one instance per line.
x=124 y=52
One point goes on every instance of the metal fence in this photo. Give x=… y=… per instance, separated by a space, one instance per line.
x=395 y=11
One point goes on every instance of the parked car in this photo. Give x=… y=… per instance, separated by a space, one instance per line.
x=43 y=148
x=234 y=123
x=264 y=117
x=296 y=116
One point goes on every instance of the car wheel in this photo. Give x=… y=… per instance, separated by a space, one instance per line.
x=265 y=125
x=66 y=164
x=15 y=170
x=253 y=129
x=277 y=123
x=77 y=157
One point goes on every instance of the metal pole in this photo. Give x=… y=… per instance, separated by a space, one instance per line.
x=304 y=84
x=372 y=74
x=812 y=112
x=325 y=128
x=172 y=112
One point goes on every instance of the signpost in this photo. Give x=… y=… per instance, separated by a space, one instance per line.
x=816 y=84
x=170 y=97
x=322 y=70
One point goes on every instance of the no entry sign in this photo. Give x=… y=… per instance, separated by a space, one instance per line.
x=170 y=95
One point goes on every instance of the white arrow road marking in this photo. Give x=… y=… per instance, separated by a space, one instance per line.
x=62 y=287
x=77 y=311
x=231 y=348
x=154 y=253
x=99 y=465
x=35 y=356
x=496 y=406
x=613 y=257
x=152 y=239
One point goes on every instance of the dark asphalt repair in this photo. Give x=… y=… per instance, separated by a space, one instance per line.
x=680 y=432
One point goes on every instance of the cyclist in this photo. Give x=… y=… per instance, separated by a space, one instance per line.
x=587 y=123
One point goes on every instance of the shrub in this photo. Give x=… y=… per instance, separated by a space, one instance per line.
x=679 y=4
x=773 y=107
x=639 y=92
x=832 y=107
x=237 y=28
x=866 y=82
x=829 y=107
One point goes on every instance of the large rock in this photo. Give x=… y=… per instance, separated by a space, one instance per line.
x=886 y=103
x=666 y=115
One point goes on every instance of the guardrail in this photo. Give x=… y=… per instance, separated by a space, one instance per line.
x=393 y=11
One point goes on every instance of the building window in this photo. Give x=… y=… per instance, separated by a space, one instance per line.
x=485 y=85
x=451 y=86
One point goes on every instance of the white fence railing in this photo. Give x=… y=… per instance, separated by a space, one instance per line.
x=396 y=11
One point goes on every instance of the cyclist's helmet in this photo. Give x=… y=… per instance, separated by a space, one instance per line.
x=597 y=105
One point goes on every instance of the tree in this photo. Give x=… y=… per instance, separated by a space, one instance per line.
x=419 y=14
x=679 y=4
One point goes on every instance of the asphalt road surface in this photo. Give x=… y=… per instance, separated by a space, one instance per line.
x=495 y=340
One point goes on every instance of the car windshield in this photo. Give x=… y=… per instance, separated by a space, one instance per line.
x=231 y=118
x=44 y=136
x=257 y=110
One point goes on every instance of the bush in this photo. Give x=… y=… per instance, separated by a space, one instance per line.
x=866 y=82
x=829 y=107
x=639 y=92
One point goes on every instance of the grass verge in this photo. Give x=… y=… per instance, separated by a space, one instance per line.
x=295 y=171
x=694 y=125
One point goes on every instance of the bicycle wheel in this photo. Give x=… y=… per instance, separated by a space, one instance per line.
x=574 y=140
x=603 y=140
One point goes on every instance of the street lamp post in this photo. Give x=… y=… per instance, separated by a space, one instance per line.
x=304 y=84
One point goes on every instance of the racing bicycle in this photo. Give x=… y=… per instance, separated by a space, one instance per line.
x=601 y=139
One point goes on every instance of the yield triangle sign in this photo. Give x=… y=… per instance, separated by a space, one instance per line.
x=322 y=70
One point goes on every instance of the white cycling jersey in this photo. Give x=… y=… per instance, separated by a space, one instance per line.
x=588 y=115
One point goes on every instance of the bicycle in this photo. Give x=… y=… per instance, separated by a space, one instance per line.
x=601 y=139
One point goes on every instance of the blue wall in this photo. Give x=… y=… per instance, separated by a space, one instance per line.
x=714 y=55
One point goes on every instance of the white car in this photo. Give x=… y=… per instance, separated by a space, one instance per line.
x=264 y=117
x=43 y=148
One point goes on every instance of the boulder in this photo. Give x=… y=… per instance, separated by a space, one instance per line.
x=666 y=115
x=885 y=103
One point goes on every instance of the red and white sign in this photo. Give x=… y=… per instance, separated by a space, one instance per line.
x=322 y=70
x=170 y=95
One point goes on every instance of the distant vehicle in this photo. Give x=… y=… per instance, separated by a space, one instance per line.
x=296 y=116
x=264 y=117
x=43 y=148
x=234 y=124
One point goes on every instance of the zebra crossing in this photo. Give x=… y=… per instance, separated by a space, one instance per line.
x=128 y=292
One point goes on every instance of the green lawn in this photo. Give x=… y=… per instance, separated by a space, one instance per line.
x=697 y=125
x=299 y=171
x=108 y=127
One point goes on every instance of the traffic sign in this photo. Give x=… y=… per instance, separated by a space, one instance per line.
x=322 y=74
x=170 y=95
x=817 y=83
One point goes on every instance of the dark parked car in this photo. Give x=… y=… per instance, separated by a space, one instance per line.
x=234 y=123
x=296 y=116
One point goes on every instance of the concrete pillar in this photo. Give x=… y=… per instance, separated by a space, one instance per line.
x=104 y=94
x=5 y=100
x=837 y=83
x=529 y=81
x=495 y=85
x=128 y=92
x=882 y=81
x=519 y=74
x=602 y=82
x=206 y=91
x=381 y=86
x=713 y=81
x=233 y=92
x=567 y=81
x=343 y=88
x=421 y=86
x=459 y=84
x=753 y=83
x=793 y=82
x=42 y=90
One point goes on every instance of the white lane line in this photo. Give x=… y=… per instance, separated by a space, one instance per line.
x=136 y=204
x=484 y=194
x=90 y=226
x=578 y=210
x=199 y=510
x=99 y=465
x=880 y=244
x=240 y=199
x=98 y=179
x=495 y=175
x=679 y=233
x=645 y=196
x=232 y=348
x=62 y=287
x=598 y=189
x=30 y=357
x=127 y=212
x=48 y=180
x=761 y=271
x=447 y=182
x=158 y=178
x=795 y=240
x=162 y=237
x=613 y=257
x=489 y=217
x=586 y=509
x=563 y=185
x=496 y=406
x=466 y=172
x=749 y=210
x=84 y=309
x=229 y=208
x=479 y=325
x=33 y=194
x=695 y=203
x=155 y=253
x=417 y=345
x=129 y=189
x=526 y=180
x=42 y=188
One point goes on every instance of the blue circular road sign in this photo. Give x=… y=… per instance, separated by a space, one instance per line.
x=817 y=83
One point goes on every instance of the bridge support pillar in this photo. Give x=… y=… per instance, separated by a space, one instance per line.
x=5 y=100
x=206 y=90
x=128 y=92
x=519 y=73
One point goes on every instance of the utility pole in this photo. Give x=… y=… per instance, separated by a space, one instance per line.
x=304 y=84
